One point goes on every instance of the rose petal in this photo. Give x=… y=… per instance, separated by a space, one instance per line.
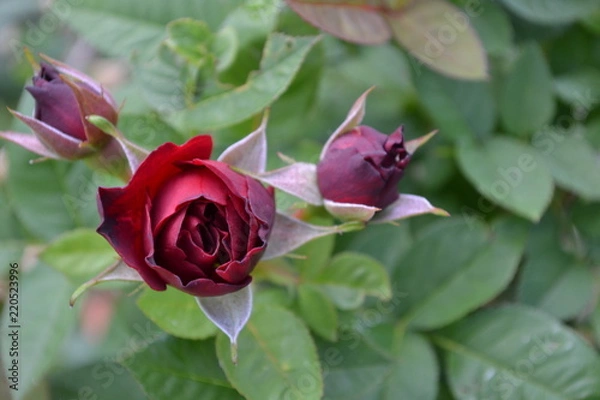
x=208 y=288
x=156 y=169
x=359 y=182
x=56 y=106
x=238 y=230
x=74 y=73
x=197 y=255
x=123 y=210
x=261 y=203
x=235 y=271
x=117 y=230
x=184 y=187
x=235 y=182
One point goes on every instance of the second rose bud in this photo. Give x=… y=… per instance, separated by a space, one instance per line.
x=363 y=166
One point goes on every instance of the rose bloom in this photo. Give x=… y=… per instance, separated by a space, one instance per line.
x=189 y=222
x=363 y=166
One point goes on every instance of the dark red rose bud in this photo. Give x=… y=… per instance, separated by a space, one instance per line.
x=363 y=166
x=189 y=222
x=55 y=102
x=64 y=97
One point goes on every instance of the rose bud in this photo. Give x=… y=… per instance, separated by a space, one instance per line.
x=363 y=166
x=188 y=222
x=63 y=98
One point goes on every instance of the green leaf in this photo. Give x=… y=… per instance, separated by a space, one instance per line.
x=274 y=295
x=510 y=174
x=456 y=268
x=44 y=320
x=415 y=371
x=115 y=34
x=550 y=276
x=596 y=324
x=369 y=241
x=549 y=283
x=460 y=108
x=353 y=369
x=592 y=21
x=350 y=276
x=360 y=367
x=161 y=13
x=282 y=58
x=253 y=21
x=586 y=219
x=180 y=369
x=574 y=164
x=347 y=76
x=225 y=47
x=34 y=191
x=316 y=255
x=441 y=36
x=165 y=82
x=191 y=39
x=580 y=89
x=493 y=25
x=318 y=312
x=121 y=28
x=11 y=231
x=79 y=254
x=276 y=349
x=518 y=353
x=148 y=130
x=527 y=95
x=176 y=313
x=104 y=379
x=552 y=11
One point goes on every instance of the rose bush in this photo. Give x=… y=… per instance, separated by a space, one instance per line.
x=363 y=166
x=187 y=221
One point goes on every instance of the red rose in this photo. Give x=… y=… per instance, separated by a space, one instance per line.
x=187 y=221
x=363 y=166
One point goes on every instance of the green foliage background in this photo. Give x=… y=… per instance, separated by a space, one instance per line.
x=499 y=301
